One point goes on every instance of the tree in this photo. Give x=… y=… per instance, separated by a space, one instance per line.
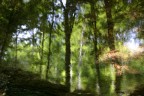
x=50 y=40
x=69 y=11
x=110 y=24
x=14 y=14
x=94 y=16
x=11 y=13
x=80 y=58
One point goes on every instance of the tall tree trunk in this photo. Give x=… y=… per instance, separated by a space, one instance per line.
x=96 y=51
x=7 y=35
x=80 y=60
x=33 y=47
x=3 y=46
x=111 y=41
x=110 y=24
x=49 y=46
x=16 y=45
x=5 y=41
x=68 y=32
x=42 y=48
x=97 y=63
x=69 y=18
x=67 y=51
x=67 y=61
x=49 y=52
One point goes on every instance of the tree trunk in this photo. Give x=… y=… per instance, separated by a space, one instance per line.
x=3 y=49
x=16 y=45
x=69 y=18
x=49 y=52
x=5 y=41
x=67 y=60
x=80 y=60
x=42 y=44
x=118 y=84
x=110 y=24
x=49 y=46
x=96 y=51
x=67 y=50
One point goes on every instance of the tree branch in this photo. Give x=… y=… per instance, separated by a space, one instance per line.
x=62 y=4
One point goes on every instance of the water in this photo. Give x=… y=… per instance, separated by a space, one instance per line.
x=111 y=84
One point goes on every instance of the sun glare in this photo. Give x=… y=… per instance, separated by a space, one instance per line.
x=64 y=2
x=132 y=46
x=133 y=43
x=26 y=1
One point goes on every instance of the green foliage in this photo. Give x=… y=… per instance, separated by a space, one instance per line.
x=27 y=27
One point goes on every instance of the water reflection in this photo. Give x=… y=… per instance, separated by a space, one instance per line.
x=111 y=84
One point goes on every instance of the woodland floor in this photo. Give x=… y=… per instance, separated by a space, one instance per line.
x=15 y=82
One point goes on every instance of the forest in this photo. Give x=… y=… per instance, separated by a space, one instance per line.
x=71 y=48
